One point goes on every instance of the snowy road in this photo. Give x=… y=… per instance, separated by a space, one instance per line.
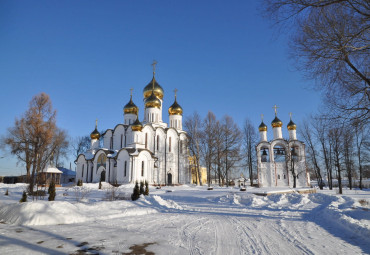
x=222 y=224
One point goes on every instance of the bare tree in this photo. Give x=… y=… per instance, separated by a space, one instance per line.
x=361 y=137
x=193 y=128
x=321 y=129
x=348 y=153
x=35 y=136
x=231 y=141
x=335 y=135
x=331 y=44
x=250 y=139
x=208 y=142
x=306 y=131
x=80 y=145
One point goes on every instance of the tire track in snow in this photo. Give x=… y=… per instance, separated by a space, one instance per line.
x=187 y=235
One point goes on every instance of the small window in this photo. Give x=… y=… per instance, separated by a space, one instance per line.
x=279 y=176
x=142 y=168
x=169 y=144
x=125 y=172
x=284 y=176
x=121 y=140
x=297 y=176
x=111 y=143
x=157 y=142
x=83 y=169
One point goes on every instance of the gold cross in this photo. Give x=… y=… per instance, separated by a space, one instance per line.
x=275 y=109
x=262 y=117
x=154 y=64
x=96 y=123
x=290 y=114
x=175 y=92
x=131 y=91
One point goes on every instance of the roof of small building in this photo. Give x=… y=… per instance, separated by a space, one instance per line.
x=51 y=169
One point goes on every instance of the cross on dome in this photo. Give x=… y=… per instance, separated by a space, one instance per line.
x=275 y=107
x=154 y=64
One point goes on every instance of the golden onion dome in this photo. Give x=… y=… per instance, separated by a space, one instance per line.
x=153 y=101
x=137 y=126
x=158 y=90
x=276 y=122
x=95 y=134
x=291 y=125
x=131 y=108
x=175 y=109
x=262 y=127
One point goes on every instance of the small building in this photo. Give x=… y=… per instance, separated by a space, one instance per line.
x=51 y=174
x=67 y=176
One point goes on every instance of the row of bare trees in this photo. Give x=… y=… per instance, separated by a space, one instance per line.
x=336 y=149
x=219 y=145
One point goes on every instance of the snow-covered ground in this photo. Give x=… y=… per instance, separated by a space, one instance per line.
x=184 y=220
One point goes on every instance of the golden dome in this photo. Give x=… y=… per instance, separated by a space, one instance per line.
x=291 y=125
x=137 y=126
x=153 y=101
x=262 y=127
x=276 y=122
x=95 y=134
x=175 y=109
x=158 y=90
x=130 y=108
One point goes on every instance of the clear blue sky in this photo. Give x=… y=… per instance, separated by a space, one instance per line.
x=220 y=55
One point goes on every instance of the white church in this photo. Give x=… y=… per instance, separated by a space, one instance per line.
x=148 y=150
x=280 y=160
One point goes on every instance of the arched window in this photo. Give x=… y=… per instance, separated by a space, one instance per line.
x=142 y=168
x=125 y=141
x=169 y=144
x=265 y=155
x=279 y=153
x=284 y=176
x=157 y=142
x=180 y=146
x=125 y=171
x=111 y=143
x=121 y=140
x=279 y=176
x=83 y=169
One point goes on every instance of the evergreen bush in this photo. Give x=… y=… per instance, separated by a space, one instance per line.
x=146 y=192
x=141 y=187
x=24 y=197
x=136 y=194
x=51 y=191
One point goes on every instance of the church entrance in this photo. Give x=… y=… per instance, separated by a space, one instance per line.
x=102 y=176
x=169 y=179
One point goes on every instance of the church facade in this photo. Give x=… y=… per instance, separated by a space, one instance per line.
x=281 y=162
x=148 y=150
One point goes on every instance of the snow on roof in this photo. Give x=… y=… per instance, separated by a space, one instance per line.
x=52 y=169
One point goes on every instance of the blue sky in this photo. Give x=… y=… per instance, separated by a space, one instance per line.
x=222 y=56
